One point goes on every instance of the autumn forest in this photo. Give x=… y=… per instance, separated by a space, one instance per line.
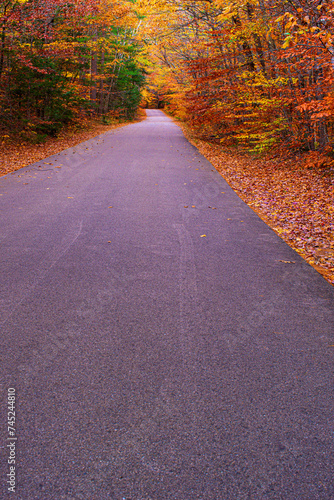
x=254 y=77
x=249 y=73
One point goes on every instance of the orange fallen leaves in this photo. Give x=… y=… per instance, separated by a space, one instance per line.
x=294 y=200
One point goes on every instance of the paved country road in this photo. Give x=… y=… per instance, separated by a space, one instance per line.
x=171 y=347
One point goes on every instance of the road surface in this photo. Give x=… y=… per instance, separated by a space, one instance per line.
x=162 y=341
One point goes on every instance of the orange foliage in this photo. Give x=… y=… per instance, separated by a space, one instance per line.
x=255 y=74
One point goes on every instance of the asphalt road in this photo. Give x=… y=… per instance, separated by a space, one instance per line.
x=171 y=347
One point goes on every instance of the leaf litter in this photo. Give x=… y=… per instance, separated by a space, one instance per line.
x=15 y=154
x=291 y=195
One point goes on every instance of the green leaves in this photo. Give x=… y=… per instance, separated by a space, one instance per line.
x=77 y=58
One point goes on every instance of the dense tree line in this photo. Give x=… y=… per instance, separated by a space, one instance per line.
x=62 y=58
x=254 y=73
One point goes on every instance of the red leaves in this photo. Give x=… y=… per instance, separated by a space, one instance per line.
x=25 y=62
x=253 y=76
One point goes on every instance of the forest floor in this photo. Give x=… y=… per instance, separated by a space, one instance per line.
x=296 y=201
x=293 y=198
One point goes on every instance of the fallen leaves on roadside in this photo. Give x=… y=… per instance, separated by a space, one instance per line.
x=294 y=200
x=15 y=154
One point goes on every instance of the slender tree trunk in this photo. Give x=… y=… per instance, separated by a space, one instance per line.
x=101 y=87
x=93 y=73
x=247 y=51
x=2 y=50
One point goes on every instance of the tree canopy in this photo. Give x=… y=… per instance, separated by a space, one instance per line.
x=252 y=73
x=60 y=58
